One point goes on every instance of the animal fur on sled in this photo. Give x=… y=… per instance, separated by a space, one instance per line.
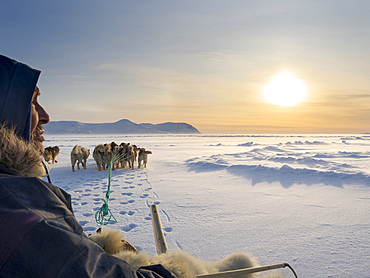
x=182 y=264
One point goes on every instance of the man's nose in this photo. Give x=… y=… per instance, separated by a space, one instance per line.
x=44 y=117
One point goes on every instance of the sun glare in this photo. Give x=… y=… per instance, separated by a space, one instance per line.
x=285 y=90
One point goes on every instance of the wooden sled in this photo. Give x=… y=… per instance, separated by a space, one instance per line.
x=161 y=246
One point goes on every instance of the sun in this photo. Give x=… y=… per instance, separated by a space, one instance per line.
x=285 y=90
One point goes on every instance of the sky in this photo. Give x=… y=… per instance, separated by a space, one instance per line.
x=201 y=62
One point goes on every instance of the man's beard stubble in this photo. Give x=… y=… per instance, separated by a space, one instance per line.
x=37 y=138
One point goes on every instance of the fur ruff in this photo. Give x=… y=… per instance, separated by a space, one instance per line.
x=19 y=155
x=182 y=264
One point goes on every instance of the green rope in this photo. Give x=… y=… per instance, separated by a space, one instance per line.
x=103 y=216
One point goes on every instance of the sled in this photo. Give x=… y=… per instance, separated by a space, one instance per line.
x=161 y=246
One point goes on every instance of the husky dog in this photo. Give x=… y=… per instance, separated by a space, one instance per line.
x=125 y=151
x=79 y=154
x=116 y=150
x=143 y=157
x=51 y=153
x=98 y=155
x=182 y=264
x=113 y=146
x=102 y=154
x=120 y=152
x=47 y=154
x=131 y=153
x=136 y=151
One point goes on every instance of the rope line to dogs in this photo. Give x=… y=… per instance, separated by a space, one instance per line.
x=103 y=216
x=47 y=171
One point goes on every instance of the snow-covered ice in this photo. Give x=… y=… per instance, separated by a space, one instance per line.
x=300 y=199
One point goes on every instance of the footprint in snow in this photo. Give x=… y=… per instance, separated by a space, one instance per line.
x=129 y=227
x=128 y=202
x=90 y=229
x=149 y=203
x=127 y=194
x=83 y=223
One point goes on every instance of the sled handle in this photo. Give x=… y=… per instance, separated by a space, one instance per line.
x=160 y=241
x=232 y=273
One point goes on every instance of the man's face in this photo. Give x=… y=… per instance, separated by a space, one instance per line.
x=38 y=119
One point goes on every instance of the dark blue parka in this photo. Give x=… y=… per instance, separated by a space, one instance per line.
x=39 y=235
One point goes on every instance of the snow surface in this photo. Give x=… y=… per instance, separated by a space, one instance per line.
x=303 y=199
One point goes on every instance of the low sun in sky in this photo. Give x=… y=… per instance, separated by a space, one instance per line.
x=285 y=90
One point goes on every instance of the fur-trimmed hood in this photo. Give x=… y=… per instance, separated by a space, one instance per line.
x=17 y=84
x=19 y=155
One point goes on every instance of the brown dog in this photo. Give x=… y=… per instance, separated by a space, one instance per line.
x=143 y=157
x=51 y=153
x=102 y=154
x=79 y=154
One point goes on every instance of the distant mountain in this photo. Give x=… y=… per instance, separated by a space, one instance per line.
x=123 y=126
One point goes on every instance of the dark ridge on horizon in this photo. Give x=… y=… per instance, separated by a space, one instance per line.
x=122 y=126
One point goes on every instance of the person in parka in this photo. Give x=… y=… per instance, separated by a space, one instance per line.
x=39 y=234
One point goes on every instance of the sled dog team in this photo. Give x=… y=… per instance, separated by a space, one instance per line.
x=125 y=154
